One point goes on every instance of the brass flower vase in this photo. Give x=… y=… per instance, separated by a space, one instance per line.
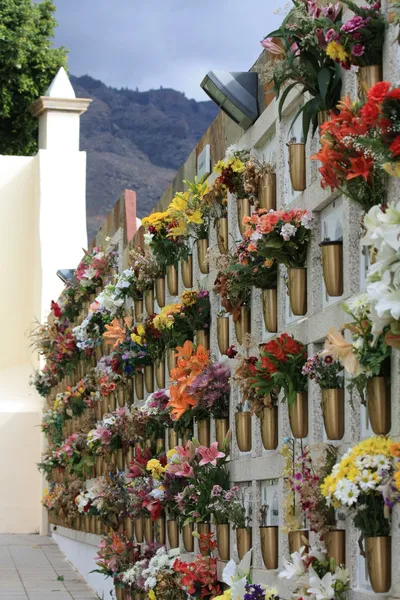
x=160 y=291
x=379 y=562
x=139 y=386
x=297 y=288
x=119 y=592
x=172 y=279
x=221 y=430
x=159 y=530
x=203 y=338
x=243 y=540
x=99 y=526
x=149 y=301
x=173 y=533
x=139 y=309
x=242 y=325
x=335 y=543
x=203 y=432
x=297 y=166
x=202 y=247
x=333 y=412
x=269 y=546
x=270 y=310
x=86 y=520
x=332 y=267
x=269 y=427
x=267 y=192
x=187 y=436
x=323 y=117
x=148 y=530
x=378 y=403
x=160 y=374
x=243 y=430
x=160 y=445
x=172 y=438
x=188 y=540
x=223 y=334
x=121 y=397
x=243 y=210
x=297 y=539
x=171 y=359
x=222 y=234
x=367 y=77
x=187 y=271
x=128 y=527
x=203 y=528
x=298 y=415
x=99 y=466
x=149 y=378
x=223 y=545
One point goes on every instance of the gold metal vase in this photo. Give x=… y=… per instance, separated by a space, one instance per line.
x=297 y=166
x=172 y=438
x=187 y=271
x=171 y=359
x=242 y=325
x=202 y=247
x=148 y=530
x=119 y=592
x=333 y=412
x=223 y=543
x=297 y=539
x=121 y=397
x=139 y=386
x=203 y=528
x=203 y=432
x=160 y=445
x=187 y=435
x=379 y=562
x=332 y=267
x=323 y=117
x=222 y=234
x=243 y=540
x=270 y=310
x=223 y=334
x=99 y=466
x=139 y=309
x=267 y=192
x=269 y=546
x=160 y=291
x=298 y=416
x=149 y=301
x=203 y=338
x=297 y=287
x=159 y=530
x=243 y=210
x=243 y=431
x=269 y=427
x=378 y=403
x=173 y=533
x=188 y=540
x=172 y=279
x=367 y=77
x=149 y=378
x=335 y=543
x=128 y=527
x=221 y=430
x=160 y=374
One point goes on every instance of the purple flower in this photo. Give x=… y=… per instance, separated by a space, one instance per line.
x=331 y=35
x=354 y=24
x=358 y=49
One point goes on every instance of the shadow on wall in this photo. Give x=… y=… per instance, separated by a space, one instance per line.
x=20 y=481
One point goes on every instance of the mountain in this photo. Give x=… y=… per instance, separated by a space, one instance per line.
x=135 y=140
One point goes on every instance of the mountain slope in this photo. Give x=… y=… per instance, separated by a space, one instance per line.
x=135 y=140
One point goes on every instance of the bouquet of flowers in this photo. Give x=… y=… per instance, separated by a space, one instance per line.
x=364 y=483
x=244 y=378
x=91 y=498
x=250 y=268
x=106 y=438
x=282 y=235
x=211 y=390
x=231 y=171
x=114 y=554
x=160 y=578
x=89 y=333
x=190 y=212
x=325 y=370
x=156 y=414
x=165 y=248
x=133 y=577
x=315 y=576
x=145 y=271
x=130 y=355
x=237 y=577
x=74 y=454
x=348 y=164
x=43 y=381
x=94 y=268
x=367 y=355
x=359 y=40
x=299 y=58
x=383 y=280
x=293 y=518
x=234 y=292
x=226 y=506
x=199 y=577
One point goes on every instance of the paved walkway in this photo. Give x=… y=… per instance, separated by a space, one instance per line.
x=33 y=568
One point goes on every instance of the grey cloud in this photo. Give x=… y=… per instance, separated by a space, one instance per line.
x=173 y=43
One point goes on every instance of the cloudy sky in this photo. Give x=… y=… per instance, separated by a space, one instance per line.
x=173 y=43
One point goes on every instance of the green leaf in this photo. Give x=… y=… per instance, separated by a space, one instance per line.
x=283 y=98
x=324 y=79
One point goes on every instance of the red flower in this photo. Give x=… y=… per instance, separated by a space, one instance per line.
x=370 y=112
x=290 y=344
x=268 y=365
x=231 y=352
x=360 y=167
x=379 y=91
x=56 y=310
x=394 y=94
x=395 y=146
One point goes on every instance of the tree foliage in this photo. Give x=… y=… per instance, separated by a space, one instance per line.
x=28 y=63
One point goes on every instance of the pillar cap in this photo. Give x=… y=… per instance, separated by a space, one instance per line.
x=60 y=96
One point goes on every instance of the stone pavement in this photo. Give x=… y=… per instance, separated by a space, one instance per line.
x=30 y=566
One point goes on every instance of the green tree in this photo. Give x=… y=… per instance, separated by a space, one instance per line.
x=28 y=63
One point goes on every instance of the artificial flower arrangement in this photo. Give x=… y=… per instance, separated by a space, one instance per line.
x=90 y=500
x=349 y=162
x=383 y=281
x=156 y=414
x=95 y=267
x=227 y=506
x=233 y=291
x=189 y=211
x=88 y=334
x=237 y=577
x=130 y=354
x=132 y=579
x=299 y=58
x=231 y=172
x=114 y=555
x=166 y=248
x=56 y=343
x=293 y=518
x=251 y=269
x=210 y=389
x=43 y=381
x=315 y=576
x=358 y=41
x=145 y=269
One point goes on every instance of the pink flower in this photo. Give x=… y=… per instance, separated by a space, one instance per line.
x=271 y=46
x=185 y=470
x=210 y=455
x=185 y=452
x=94 y=307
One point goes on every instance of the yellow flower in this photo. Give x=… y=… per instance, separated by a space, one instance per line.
x=227 y=595
x=165 y=319
x=195 y=217
x=188 y=298
x=155 y=467
x=157 y=220
x=141 y=330
x=221 y=164
x=151 y=595
x=179 y=203
x=336 y=51
x=136 y=338
x=171 y=453
x=237 y=166
x=393 y=169
x=179 y=229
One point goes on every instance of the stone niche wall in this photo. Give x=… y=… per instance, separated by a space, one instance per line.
x=259 y=471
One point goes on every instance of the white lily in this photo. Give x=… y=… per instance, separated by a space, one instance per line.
x=293 y=567
x=236 y=576
x=322 y=589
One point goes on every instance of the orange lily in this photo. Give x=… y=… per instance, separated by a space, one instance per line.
x=114 y=334
x=336 y=344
